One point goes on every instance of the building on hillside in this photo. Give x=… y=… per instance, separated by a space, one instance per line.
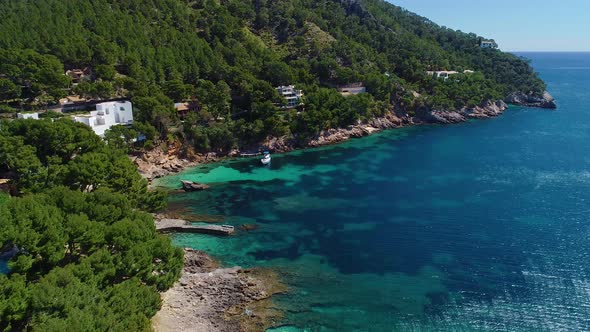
x=488 y=44
x=79 y=75
x=7 y=186
x=293 y=97
x=445 y=74
x=34 y=116
x=106 y=115
x=442 y=73
x=351 y=89
x=72 y=99
x=183 y=109
x=73 y=103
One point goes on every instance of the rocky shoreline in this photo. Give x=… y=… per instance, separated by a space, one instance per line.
x=157 y=163
x=210 y=298
x=423 y=116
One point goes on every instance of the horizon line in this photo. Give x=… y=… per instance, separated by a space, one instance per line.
x=560 y=51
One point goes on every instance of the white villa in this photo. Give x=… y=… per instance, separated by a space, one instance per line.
x=442 y=73
x=34 y=116
x=292 y=96
x=108 y=114
x=446 y=73
x=487 y=44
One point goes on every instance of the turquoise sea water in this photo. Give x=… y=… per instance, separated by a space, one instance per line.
x=482 y=226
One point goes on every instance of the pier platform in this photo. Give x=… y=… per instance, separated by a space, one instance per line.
x=252 y=154
x=183 y=226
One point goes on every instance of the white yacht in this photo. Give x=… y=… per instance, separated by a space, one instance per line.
x=266 y=159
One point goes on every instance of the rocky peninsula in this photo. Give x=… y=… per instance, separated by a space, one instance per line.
x=211 y=298
x=544 y=101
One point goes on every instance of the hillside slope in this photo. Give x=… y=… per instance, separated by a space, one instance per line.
x=230 y=54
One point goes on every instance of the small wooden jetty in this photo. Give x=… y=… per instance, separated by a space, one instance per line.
x=256 y=153
x=183 y=226
x=250 y=154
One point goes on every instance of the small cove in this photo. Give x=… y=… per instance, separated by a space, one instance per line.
x=477 y=226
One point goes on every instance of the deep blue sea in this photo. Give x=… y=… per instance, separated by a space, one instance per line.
x=481 y=226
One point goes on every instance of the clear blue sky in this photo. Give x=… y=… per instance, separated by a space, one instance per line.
x=516 y=25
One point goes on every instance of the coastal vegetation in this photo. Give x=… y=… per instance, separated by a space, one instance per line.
x=229 y=54
x=84 y=255
x=85 y=251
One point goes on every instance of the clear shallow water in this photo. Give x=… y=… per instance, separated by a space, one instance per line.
x=479 y=226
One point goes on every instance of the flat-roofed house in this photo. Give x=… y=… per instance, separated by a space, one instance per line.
x=106 y=115
x=488 y=44
x=442 y=73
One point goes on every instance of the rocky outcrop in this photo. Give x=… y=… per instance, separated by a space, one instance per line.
x=333 y=136
x=157 y=163
x=193 y=186
x=487 y=109
x=280 y=144
x=249 y=227
x=434 y=116
x=520 y=98
x=211 y=298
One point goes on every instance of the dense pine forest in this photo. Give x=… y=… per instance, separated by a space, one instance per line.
x=230 y=54
x=85 y=255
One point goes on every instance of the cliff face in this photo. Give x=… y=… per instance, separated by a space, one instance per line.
x=520 y=98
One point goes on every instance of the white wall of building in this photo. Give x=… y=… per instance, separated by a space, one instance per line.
x=291 y=95
x=108 y=114
x=28 y=116
x=487 y=44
